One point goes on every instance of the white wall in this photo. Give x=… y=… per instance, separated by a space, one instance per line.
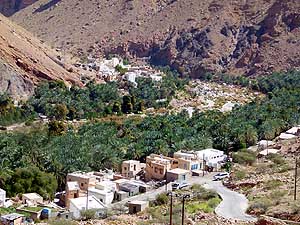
x=2 y=197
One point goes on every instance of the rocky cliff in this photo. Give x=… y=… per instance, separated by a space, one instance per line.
x=249 y=37
x=9 y=7
x=25 y=61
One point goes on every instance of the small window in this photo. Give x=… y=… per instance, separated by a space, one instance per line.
x=81 y=184
x=125 y=168
x=161 y=171
x=134 y=167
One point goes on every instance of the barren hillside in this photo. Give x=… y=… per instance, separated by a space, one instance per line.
x=239 y=37
x=24 y=61
x=9 y=7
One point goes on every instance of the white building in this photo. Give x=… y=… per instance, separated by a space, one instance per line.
x=106 y=197
x=2 y=197
x=77 y=205
x=32 y=199
x=211 y=157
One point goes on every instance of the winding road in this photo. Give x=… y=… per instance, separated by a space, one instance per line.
x=233 y=205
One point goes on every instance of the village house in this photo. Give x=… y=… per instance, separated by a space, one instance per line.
x=131 y=168
x=132 y=189
x=84 y=180
x=178 y=175
x=137 y=206
x=72 y=191
x=32 y=199
x=106 y=197
x=12 y=219
x=188 y=161
x=212 y=158
x=158 y=165
x=78 y=205
x=2 y=197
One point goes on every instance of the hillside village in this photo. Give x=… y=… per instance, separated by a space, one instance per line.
x=137 y=184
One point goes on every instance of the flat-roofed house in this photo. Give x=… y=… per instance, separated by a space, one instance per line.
x=188 y=161
x=78 y=205
x=12 y=219
x=211 y=157
x=72 y=191
x=131 y=168
x=32 y=199
x=84 y=180
x=178 y=175
x=158 y=165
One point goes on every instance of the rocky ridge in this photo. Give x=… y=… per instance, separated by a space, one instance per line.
x=25 y=61
x=250 y=37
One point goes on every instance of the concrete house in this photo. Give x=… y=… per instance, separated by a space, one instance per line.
x=2 y=197
x=32 y=199
x=188 y=161
x=72 y=191
x=130 y=188
x=84 y=180
x=130 y=168
x=158 y=165
x=137 y=206
x=77 y=205
x=12 y=219
x=178 y=175
x=211 y=157
x=106 y=197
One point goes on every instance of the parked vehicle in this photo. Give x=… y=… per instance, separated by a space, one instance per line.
x=176 y=186
x=221 y=176
x=160 y=183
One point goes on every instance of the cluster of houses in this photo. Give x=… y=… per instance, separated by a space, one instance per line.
x=97 y=191
x=107 y=70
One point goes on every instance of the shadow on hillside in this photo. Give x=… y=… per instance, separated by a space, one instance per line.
x=46 y=6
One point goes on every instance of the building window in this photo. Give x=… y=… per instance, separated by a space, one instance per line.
x=81 y=184
x=161 y=171
x=134 y=167
x=125 y=168
x=155 y=169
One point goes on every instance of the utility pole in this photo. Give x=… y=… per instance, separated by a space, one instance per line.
x=296 y=177
x=171 y=206
x=182 y=212
x=203 y=167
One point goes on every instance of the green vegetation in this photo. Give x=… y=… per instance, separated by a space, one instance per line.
x=62 y=222
x=244 y=157
x=29 y=179
x=240 y=174
x=206 y=207
x=58 y=149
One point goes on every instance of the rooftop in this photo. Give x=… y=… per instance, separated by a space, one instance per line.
x=12 y=216
x=32 y=196
x=131 y=161
x=137 y=202
x=73 y=186
x=178 y=171
x=81 y=202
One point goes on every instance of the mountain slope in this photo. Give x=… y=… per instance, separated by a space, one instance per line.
x=24 y=61
x=239 y=37
x=9 y=7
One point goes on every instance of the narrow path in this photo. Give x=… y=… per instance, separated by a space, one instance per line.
x=233 y=205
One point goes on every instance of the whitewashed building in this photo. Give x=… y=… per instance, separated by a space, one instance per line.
x=77 y=205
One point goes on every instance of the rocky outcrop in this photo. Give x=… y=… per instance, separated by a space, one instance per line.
x=253 y=37
x=13 y=83
x=9 y=7
x=25 y=61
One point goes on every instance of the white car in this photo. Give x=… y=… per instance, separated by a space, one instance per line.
x=221 y=176
x=176 y=186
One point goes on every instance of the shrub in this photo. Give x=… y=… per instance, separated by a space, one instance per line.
x=62 y=222
x=272 y=184
x=276 y=159
x=88 y=214
x=240 y=174
x=161 y=199
x=258 y=208
x=244 y=157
